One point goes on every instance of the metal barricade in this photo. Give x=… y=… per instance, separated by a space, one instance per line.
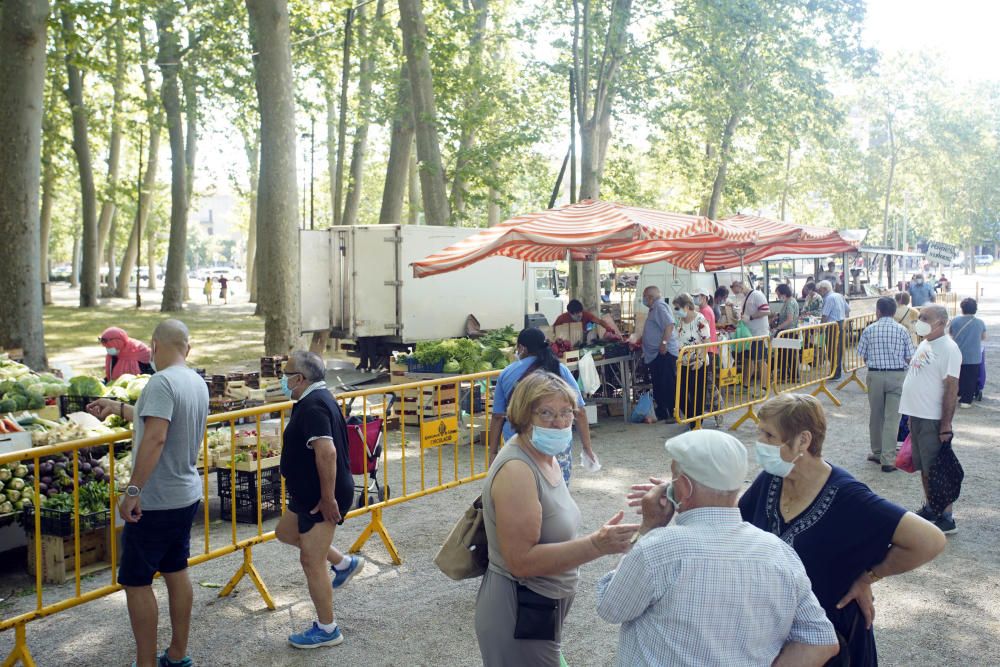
x=853 y=326
x=804 y=357
x=436 y=419
x=716 y=378
x=950 y=301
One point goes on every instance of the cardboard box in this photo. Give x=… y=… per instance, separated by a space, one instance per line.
x=13 y=442
x=573 y=332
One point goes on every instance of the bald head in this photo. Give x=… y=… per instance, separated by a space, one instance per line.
x=935 y=314
x=170 y=343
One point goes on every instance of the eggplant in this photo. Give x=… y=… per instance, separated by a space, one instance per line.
x=52 y=491
x=61 y=465
x=42 y=487
x=46 y=480
x=98 y=471
x=47 y=467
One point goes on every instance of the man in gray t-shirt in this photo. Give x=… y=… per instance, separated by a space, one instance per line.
x=162 y=496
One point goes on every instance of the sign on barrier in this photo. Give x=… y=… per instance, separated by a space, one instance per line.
x=806 y=356
x=439 y=432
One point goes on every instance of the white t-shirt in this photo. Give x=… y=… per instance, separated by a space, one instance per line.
x=756 y=304
x=923 y=388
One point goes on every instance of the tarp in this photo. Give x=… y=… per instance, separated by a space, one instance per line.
x=588 y=229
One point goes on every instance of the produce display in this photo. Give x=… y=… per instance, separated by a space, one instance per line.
x=22 y=389
x=464 y=355
x=15 y=488
x=126 y=388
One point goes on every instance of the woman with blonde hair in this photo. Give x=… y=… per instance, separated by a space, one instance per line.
x=692 y=329
x=907 y=315
x=848 y=537
x=533 y=529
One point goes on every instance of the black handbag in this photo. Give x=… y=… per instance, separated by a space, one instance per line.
x=537 y=615
x=944 y=481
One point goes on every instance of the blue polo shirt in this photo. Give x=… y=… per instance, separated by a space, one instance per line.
x=509 y=378
x=921 y=294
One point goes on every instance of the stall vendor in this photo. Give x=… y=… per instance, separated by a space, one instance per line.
x=576 y=313
x=123 y=355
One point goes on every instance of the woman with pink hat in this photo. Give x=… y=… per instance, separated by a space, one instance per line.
x=124 y=355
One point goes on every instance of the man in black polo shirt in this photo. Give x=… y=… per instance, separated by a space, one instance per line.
x=317 y=472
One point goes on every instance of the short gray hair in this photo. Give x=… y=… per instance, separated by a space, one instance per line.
x=652 y=290
x=824 y=284
x=939 y=313
x=310 y=364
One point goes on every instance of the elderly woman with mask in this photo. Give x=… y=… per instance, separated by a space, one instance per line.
x=124 y=355
x=533 y=530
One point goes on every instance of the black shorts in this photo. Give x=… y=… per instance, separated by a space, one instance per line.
x=159 y=542
x=306 y=519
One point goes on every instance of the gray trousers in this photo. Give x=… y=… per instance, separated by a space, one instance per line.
x=884 y=389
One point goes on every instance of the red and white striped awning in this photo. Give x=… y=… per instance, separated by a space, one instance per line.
x=596 y=229
x=774 y=238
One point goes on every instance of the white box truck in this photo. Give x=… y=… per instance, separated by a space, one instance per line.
x=357 y=282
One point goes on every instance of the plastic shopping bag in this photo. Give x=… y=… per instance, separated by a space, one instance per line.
x=589 y=380
x=589 y=464
x=904 y=457
x=643 y=408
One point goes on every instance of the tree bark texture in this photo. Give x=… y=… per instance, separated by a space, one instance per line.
x=49 y=138
x=413 y=188
x=168 y=60
x=155 y=120
x=345 y=75
x=473 y=72
x=414 y=29
x=400 y=144
x=105 y=240
x=22 y=80
x=725 y=148
x=893 y=158
x=368 y=45
x=277 y=209
x=252 y=146
x=90 y=249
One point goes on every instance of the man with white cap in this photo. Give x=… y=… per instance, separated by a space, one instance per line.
x=711 y=589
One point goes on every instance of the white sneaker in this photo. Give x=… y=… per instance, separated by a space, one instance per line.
x=965 y=405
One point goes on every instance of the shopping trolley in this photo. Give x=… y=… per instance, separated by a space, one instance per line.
x=362 y=430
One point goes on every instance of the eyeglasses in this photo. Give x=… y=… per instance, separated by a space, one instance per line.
x=547 y=416
x=288 y=375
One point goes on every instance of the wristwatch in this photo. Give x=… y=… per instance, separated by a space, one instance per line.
x=133 y=491
x=872 y=576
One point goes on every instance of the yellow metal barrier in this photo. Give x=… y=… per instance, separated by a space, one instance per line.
x=804 y=357
x=853 y=326
x=716 y=378
x=950 y=301
x=436 y=425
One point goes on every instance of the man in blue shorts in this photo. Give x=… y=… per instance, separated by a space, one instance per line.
x=317 y=469
x=163 y=494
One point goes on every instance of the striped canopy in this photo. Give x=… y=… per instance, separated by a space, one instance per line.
x=588 y=229
x=774 y=238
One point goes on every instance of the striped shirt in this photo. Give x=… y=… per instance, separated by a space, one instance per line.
x=710 y=590
x=885 y=345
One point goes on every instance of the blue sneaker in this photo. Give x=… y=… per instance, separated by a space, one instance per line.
x=164 y=661
x=315 y=637
x=341 y=577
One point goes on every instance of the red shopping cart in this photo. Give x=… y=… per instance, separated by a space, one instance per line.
x=362 y=432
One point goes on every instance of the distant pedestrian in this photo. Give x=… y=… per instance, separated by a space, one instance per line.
x=906 y=315
x=224 y=289
x=317 y=469
x=886 y=349
x=207 y=290
x=161 y=498
x=920 y=291
x=969 y=332
x=835 y=309
x=930 y=392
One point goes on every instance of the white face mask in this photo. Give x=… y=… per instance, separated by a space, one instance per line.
x=922 y=328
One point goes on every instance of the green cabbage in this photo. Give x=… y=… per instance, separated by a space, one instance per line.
x=451 y=366
x=85 y=385
x=135 y=387
x=123 y=380
x=36 y=399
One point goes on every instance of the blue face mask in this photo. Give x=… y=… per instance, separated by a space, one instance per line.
x=672 y=497
x=769 y=458
x=284 y=387
x=111 y=351
x=551 y=441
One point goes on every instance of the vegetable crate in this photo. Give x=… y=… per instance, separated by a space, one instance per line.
x=59 y=523
x=425 y=402
x=59 y=555
x=70 y=404
x=246 y=493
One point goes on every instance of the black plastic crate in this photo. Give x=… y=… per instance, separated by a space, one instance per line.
x=60 y=522
x=246 y=494
x=69 y=404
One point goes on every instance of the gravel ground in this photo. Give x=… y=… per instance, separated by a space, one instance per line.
x=945 y=613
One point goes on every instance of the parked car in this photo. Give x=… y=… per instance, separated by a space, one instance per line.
x=61 y=272
x=230 y=273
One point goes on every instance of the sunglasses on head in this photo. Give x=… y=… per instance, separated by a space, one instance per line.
x=103 y=340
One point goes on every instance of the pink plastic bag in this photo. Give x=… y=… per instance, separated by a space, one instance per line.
x=904 y=457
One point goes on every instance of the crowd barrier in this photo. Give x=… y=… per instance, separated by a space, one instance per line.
x=950 y=301
x=434 y=415
x=853 y=326
x=716 y=378
x=806 y=357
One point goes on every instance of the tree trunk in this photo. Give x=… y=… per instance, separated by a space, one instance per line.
x=473 y=73
x=411 y=22
x=49 y=137
x=252 y=146
x=169 y=55
x=400 y=143
x=719 y=185
x=22 y=80
x=345 y=75
x=493 y=207
x=277 y=276
x=142 y=210
x=413 y=189
x=74 y=278
x=368 y=43
x=893 y=156
x=787 y=185
x=151 y=257
x=331 y=145
x=89 y=269
x=105 y=238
